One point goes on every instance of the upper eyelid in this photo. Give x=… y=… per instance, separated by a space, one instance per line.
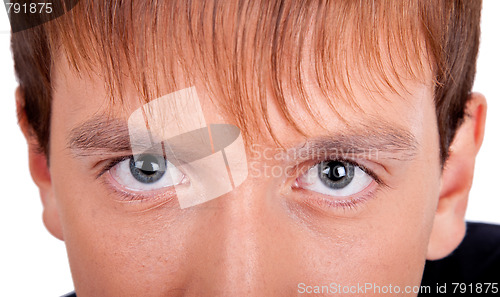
x=111 y=162
x=367 y=170
x=309 y=164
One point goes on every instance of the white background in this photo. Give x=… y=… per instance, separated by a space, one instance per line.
x=33 y=263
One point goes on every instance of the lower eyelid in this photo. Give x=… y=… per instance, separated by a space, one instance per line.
x=129 y=195
x=347 y=203
x=330 y=203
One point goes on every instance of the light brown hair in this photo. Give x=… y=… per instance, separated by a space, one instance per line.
x=243 y=48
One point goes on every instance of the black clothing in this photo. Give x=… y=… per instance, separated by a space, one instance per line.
x=468 y=269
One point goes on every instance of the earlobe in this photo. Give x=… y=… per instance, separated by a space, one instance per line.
x=39 y=170
x=449 y=224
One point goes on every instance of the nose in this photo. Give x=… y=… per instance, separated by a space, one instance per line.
x=245 y=249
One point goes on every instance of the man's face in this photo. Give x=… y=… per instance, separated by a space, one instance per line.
x=363 y=217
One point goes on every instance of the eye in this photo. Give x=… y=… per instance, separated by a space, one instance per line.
x=335 y=178
x=146 y=172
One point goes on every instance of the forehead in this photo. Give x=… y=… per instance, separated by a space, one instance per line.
x=341 y=57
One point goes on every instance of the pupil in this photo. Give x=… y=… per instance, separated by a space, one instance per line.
x=147 y=164
x=336 y=174
x=147 y=172
x=147 y=168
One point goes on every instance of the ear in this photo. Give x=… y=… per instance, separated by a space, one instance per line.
x=448 y=230
x=39 y=170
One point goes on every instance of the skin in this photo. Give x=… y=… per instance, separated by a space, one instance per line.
x=267 y=236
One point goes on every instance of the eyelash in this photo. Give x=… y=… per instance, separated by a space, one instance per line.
x=112 y=163
x=346 y=204
x=319 y=199
x=124 y=195
x=349 y=203
x=371 y=173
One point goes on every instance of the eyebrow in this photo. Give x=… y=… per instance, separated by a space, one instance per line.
x=379 y=139
x=99 y=135
x=104 y=135
x=369 y=142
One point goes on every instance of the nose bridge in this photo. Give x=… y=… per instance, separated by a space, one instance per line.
x=242 y=219
x=237 y=244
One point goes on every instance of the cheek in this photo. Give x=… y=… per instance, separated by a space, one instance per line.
x=387 y=243
x=113 y=252
x=386 y=249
